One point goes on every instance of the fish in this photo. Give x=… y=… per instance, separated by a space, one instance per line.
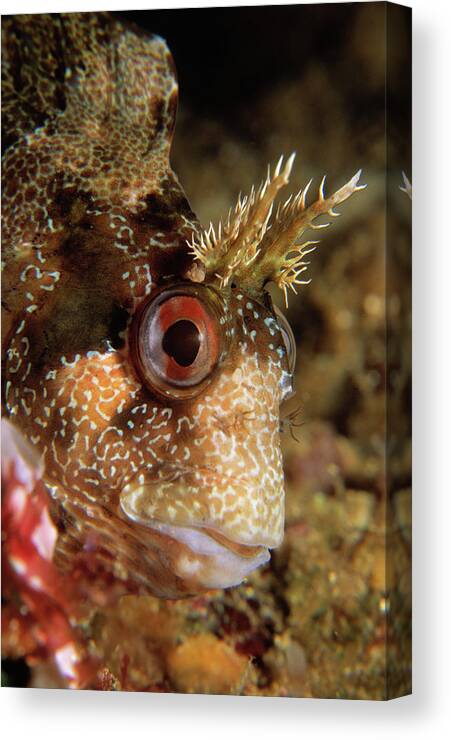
x=144 y=361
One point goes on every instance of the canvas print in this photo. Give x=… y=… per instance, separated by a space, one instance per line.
x=206 y=455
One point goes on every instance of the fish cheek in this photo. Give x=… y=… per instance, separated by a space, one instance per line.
x=258 y=336
x=78 y=320
x=59 y=338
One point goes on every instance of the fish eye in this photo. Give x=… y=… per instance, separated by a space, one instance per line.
x=288 y=339
x=176 y=340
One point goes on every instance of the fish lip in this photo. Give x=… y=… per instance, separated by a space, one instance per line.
x=205 y=540
x=204 y=561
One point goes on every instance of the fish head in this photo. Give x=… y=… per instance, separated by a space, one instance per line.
x=219 y=363
x=155 y=406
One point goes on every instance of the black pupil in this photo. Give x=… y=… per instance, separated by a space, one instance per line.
x=181 y=342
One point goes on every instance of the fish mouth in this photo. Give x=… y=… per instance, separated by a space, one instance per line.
x=205 y=558
x=199 y=547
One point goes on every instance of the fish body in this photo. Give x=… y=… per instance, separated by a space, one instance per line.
x=142 y=358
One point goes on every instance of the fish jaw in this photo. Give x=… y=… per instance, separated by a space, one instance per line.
x=204 y=550
x=203 y=562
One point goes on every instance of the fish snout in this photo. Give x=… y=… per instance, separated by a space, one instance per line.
x=210 y=541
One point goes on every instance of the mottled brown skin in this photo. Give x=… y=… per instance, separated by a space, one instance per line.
x=94 y=221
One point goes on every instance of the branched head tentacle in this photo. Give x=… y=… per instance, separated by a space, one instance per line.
x=252 y=249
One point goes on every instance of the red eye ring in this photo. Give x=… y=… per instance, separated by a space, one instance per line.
x=178 y=339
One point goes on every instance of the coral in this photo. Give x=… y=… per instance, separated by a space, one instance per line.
x=206 y=665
